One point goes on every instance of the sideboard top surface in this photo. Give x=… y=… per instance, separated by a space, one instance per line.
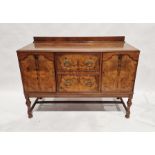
x=79 y=44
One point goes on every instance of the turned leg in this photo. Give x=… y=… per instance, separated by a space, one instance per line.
x=129 y=103
x=29 y=111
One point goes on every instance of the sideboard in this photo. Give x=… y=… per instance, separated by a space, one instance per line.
x=78 y=67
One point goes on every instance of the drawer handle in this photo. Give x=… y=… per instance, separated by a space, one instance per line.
x=68 y=82
x=89 y=63
x=88 y=83
x=67 y=63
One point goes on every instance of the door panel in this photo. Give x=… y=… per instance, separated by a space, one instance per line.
x=109 y=72
x=118 y=72
x=127 y=73
x=46 y=73
x=38 y=72
x=29 y=73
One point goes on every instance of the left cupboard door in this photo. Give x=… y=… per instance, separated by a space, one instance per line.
x=37 y=72
x=46 y=72
x=29 y=72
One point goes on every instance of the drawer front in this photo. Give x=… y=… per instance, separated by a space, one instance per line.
x=78 y=83
x=78 y=62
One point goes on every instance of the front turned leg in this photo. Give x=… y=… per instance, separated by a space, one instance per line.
x=129 y=103
x=29 y=111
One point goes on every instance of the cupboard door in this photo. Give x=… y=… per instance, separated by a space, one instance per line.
x=29 y=73
x=46 y=73
x=128 y=67
x=89 y=62
x=68 y=83
x=109 y=72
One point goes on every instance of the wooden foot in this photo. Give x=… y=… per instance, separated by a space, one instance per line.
x=29 y=111
x=129 y=103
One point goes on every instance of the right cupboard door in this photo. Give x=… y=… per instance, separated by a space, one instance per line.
x=118 y=72
x=127 y=69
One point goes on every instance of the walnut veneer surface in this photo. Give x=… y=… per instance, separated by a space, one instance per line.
x=78 y=67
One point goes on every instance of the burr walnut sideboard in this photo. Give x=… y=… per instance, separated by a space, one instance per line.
x=78 y=67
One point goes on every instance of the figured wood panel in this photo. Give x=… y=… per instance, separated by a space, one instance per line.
x=46 y=73
x=88 y=62
x=109 y=72
x=67 y=62
x=76 y=83
x=127 y=72
x=78 y=62
x=68 y=83
x=28 y=69
x=88 y=83
x=118 y=72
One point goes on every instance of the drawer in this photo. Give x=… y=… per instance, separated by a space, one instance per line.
x=78 y=62
x=78 y=83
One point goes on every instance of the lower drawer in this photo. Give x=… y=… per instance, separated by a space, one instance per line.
x=78 y=83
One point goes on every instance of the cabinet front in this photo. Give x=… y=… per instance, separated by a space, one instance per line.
x=37 y=72
x=118 y=72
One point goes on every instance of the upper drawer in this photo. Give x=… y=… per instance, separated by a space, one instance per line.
x=78 y=62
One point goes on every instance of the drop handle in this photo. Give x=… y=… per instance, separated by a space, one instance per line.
x=68 y=82
x=88 y=63
x=88 y=83
x=67 y=63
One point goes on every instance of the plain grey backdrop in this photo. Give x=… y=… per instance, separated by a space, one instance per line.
x=15 y=36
